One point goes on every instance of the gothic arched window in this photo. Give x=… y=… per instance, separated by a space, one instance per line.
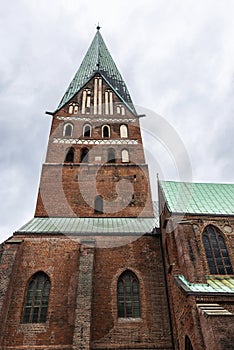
x=111 y=155
x=98 y=204
x=70 y=155
x=128 y=295
x=37 y=298
x=105 y=131
x=67 y=129
x=87 y=130
x=125 y=156
x=216 y=251
x=84 y=155
x=123 y=131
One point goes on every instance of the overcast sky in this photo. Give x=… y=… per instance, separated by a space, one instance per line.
x=177 y=58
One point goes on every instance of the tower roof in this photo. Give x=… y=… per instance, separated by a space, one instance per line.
x=98 y=60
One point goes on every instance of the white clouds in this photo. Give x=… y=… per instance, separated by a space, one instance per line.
x=177 y=58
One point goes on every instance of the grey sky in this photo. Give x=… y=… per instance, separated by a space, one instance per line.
x=177 y=58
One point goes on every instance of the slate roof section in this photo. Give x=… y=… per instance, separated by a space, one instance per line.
x=214 y=285
x=198 y=198
x=98 y=60
x=90 y=226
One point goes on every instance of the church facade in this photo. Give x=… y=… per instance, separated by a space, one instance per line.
x=98 y=267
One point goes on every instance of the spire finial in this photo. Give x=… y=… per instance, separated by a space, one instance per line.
x=98 y=26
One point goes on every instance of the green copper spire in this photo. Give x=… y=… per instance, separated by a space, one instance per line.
x=98 y=60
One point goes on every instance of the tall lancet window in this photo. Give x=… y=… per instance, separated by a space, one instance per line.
x=216 y=251
x=37 y=298
x=128 y=295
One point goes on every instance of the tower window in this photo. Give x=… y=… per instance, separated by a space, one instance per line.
x=98 y=204
x=123 y=131
x=120 y=110
x=70 y=155
x=188 y=345
x=67 y=129
x=128 y=295
x=216 y=251
x=84 y=156
x=105 y=131
x=111 y=155
x=73 y=108
x=76 y=109
x=125 y=156
x=37 y=297
x=87 y=130
x=70 y=109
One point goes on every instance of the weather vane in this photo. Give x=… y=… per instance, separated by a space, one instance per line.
x=98 y=26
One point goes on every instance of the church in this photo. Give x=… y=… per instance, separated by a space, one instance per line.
x=100 y=265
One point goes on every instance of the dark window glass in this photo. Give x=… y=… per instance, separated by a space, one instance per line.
x=98 y=204
x=87 y=131
x=105 y=131
x=70 y=155
x=188 y=345
x=111 y=155
x=216 y=251
x=37 y=297
x=68 y=130
x=84 y=157
x=128 y=295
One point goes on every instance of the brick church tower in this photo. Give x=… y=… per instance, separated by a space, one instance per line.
x=87 y=271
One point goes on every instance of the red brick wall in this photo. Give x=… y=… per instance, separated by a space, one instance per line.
x=143 y=257
x=71 y=190
x=58 y=258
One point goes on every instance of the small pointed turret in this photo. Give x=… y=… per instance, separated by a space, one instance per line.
x=98 y=60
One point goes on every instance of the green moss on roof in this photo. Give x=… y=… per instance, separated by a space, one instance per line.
x=198 y=198
x=98 y=60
